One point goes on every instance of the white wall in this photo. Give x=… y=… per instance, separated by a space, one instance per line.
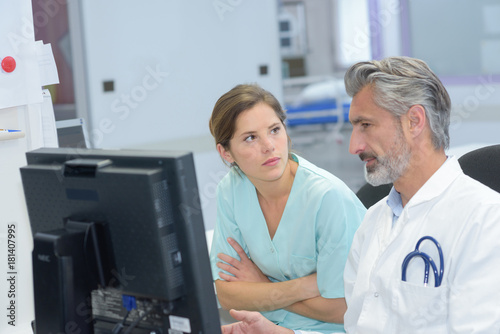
x=197 y=50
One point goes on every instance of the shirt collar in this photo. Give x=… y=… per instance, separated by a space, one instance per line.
x=395 y=202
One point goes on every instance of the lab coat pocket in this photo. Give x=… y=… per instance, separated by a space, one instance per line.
x=421 y=309
x=301 y=266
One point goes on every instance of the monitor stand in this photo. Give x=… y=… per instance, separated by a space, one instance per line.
x=67 y=266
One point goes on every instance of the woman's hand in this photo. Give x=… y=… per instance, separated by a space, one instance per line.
x=243 y=270
x=252 y=323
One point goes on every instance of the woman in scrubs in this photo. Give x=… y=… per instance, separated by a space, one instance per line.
x=284 y=226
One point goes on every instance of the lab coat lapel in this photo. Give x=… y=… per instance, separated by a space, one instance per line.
x=437 y=183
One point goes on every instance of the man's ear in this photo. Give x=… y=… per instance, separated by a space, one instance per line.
x=417 y=119
x=225 y=154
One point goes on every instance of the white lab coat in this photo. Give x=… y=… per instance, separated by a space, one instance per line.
x=464 y=216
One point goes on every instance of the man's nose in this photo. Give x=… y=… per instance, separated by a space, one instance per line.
x=356 y=144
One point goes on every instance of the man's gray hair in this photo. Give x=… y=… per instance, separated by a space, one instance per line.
x=401 y=82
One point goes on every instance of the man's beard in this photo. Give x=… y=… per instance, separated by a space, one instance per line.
x=390 y=167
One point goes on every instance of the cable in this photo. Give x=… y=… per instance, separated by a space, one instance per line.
x=129 y=303
x=137 y=321
x=119 y=326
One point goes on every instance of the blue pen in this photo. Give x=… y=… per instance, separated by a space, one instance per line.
x=9 y=130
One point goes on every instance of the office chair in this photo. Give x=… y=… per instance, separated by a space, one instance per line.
x=369 y=195
x=483 y=164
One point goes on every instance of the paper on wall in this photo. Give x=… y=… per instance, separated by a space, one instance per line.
x=41 y=124
x=48 y=121
x=47 y=64
x=17 y=40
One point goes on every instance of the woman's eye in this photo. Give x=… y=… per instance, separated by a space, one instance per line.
x=250 y=138
x=275 y=130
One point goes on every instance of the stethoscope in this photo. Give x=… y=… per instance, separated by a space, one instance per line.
x=429 y=262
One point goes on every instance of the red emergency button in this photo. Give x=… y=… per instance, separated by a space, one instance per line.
x=8 y=64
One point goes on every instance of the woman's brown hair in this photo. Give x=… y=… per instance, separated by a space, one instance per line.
x=229 y=106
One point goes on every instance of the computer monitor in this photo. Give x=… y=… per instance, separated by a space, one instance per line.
x=118 y=231
x=72 y=133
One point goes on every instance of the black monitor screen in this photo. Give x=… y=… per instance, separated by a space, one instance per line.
x=72 y=133
x=119 y=242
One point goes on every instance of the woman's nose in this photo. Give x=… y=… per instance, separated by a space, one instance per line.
x=267 y=145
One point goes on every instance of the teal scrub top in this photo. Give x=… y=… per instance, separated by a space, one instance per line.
x=314 y=234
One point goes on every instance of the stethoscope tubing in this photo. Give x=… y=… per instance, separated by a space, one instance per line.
x=429 y=262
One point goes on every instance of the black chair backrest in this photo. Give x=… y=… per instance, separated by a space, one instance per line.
x=369 y=195
x=483 y=165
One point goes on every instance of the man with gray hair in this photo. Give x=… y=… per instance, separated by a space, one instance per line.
x=395 y=280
